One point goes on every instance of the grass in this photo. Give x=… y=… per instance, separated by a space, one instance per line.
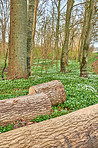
x=80 y=92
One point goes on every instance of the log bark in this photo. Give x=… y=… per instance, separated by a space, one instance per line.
x=26 y=107
x=74 y=130
x=53 y=89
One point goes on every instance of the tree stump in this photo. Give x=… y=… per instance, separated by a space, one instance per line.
x=25 y=107
x=53 y=89
x=74 y=130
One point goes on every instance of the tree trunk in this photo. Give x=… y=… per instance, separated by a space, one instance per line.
x=53 y=33
x=17 y=67
x=74 y=130
x=53 y=89
x=34 y=27
x=3 y=38
x=29 y=32
x=26 y=107
x=86 y=35
x=66 y=38
x=57 y=29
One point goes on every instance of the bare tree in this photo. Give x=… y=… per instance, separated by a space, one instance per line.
x=34 y=27
x=4 y=23
x=86 y=35
x=57 y=28
x=30 y=14
x=66 y=38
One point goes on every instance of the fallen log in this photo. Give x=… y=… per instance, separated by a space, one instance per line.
x=25 y=107
x=74 y=130
x=53 y=89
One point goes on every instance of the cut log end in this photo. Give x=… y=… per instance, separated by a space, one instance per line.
x=53 y=89
x=32 y=91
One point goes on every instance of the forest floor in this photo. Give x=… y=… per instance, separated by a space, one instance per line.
x=80 y=92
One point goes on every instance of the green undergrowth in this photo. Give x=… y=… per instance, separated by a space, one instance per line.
x=80 y=92
x=6 y=128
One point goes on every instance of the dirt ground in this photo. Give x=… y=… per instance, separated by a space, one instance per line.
x=94 y=65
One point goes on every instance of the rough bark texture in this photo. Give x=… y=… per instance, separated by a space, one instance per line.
x=26 y=107
x=53 y=89
x=75 y=130
x=17 y=67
